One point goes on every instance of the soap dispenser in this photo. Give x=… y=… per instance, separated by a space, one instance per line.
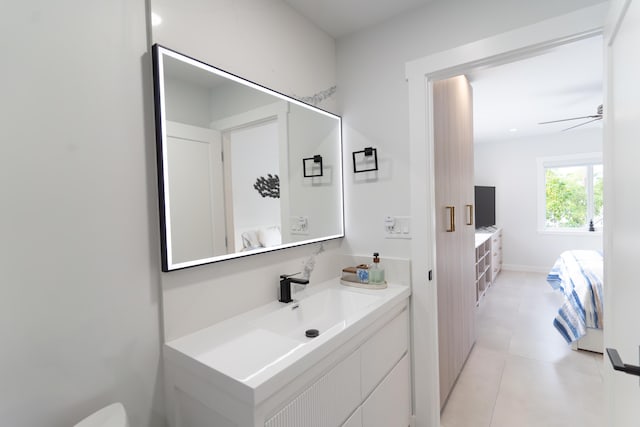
x=376 y=272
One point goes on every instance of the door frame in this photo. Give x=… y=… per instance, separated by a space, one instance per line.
x=227 y=167
x=278 y=112
x=500 y=49
x=620 y=242
x=212 y=139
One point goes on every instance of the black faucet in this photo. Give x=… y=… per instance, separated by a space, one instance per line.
x=285 y=286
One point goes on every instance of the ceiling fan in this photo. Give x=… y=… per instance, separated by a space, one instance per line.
x=592 y=118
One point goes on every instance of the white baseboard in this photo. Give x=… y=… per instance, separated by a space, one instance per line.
x=526 y=268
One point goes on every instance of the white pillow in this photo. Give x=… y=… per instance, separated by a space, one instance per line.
x=250 y=240
x=270 y=236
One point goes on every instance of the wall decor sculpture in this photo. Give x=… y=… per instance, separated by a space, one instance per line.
x=269 y=186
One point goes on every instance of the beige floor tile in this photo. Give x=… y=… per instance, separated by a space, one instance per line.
x=472 y=399
x=555 y=351
x=534 y=393
x=521 y=372
x=493 y=337
x=500 y=303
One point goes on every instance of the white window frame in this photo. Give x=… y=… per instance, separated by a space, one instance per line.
x=584 y=159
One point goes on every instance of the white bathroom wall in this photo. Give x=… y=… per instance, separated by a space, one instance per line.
x=234 y=98
x=314 y=198
x=187 y=103
x=79 y=258
x=254 y=153
x=372 y=93
x=513 y=169
x=266 y=42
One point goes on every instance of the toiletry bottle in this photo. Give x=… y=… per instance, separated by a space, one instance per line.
x=362 y=271
x=376 y=272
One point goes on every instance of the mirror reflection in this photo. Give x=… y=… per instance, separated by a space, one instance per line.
x=232 y=160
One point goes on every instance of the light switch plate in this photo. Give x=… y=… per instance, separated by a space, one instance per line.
x=299 y=225
x=397 y=227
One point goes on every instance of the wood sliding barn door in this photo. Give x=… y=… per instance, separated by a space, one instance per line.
x=453 y=159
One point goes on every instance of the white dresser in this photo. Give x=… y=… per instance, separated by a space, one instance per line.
x=488 y=259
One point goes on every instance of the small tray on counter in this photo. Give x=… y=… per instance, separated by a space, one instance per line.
x=363 y=285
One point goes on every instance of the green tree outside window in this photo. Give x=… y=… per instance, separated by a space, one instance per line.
x=568 y=194
x=566 y=198
x=597 y=195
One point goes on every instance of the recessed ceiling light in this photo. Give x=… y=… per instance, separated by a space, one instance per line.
x=513 y=130
x=155 y=19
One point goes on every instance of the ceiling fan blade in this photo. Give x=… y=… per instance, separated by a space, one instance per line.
x=595 y=117
x=582 y=124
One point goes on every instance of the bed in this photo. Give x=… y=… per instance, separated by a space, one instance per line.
x=578 y=275
x=258 y=237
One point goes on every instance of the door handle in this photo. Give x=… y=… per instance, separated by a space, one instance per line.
x=470 y=220
x=616 y=361
x=452 y=219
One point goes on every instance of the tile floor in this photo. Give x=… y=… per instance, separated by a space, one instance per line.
x=521 y=372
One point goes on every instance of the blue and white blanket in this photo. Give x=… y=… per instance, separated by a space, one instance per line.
x=578 y=274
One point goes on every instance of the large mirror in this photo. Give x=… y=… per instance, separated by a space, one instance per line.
x=241 y=169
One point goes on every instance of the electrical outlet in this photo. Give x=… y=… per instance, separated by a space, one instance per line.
x=299 y=225
x=397 y=227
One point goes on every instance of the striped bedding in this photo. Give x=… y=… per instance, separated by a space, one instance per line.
x=578 y=274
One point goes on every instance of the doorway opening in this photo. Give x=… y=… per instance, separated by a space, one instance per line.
x=421 y=74
x=537 y=221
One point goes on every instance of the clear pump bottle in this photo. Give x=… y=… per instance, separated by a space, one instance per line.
x=376 y=272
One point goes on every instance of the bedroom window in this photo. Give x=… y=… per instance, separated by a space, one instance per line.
x=570 y=196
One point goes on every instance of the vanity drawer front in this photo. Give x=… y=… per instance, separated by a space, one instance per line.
x=383 y=350
x=326 y=403
x=354 y=420
x=390 y=404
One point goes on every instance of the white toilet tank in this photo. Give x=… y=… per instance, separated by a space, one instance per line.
x=111 y=416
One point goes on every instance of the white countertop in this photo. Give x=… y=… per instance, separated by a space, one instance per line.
x=482 y=237
x=250 y=355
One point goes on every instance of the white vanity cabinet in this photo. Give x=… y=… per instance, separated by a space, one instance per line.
x=390 y=402
x=328 y=402
x=357 y=377
x=375 y=376
x=355 y=420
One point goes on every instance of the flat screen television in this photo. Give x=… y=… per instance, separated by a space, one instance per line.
x=485 y=198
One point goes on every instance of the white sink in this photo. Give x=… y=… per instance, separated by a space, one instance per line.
x=257 y=352
x=322 y=311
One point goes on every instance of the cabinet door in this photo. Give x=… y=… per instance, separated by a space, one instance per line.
x=447 y=241
x=390 y=403
x=453 y=167
x=468 y=228
x=383 y=350
x=354 y=420
x=328 y=402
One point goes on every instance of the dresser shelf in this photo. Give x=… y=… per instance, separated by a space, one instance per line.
x=488 y=259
